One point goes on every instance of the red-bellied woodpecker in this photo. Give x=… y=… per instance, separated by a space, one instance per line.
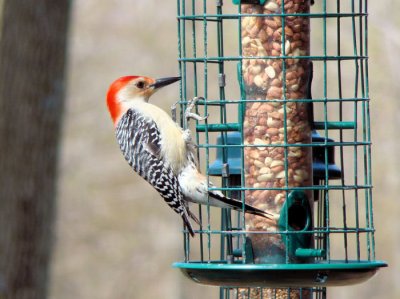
x=159 y=150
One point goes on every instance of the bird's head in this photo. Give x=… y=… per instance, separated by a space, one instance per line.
x=125 y=90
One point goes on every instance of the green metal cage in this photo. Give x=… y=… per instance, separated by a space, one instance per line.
x=270 y=143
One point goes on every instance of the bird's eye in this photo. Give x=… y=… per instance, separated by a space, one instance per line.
x=140 y=84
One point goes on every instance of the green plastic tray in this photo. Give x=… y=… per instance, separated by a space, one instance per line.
x=322 y=274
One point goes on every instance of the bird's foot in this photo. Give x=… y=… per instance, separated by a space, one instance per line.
x=187 y=135
x=190 y=114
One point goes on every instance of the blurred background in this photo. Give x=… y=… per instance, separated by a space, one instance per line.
x=114 y=237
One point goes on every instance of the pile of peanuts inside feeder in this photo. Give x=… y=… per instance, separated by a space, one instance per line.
x=274 y=129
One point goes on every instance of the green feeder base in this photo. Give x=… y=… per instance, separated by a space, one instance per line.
x=321 y=274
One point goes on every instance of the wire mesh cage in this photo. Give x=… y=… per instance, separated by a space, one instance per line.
x=270 y=143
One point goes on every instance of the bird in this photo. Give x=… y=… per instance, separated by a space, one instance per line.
x=161 y=151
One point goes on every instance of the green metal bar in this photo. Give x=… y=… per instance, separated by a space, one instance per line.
x=241 y=112
x=318 y=126
x=332 y=230
x=218 y=127
x=341 y=152
x=236 y=127
x=181 y=90
x=335 y=125
x=319 y=238
x=363 y=46
x=325 y=95
x=183 y=53
x=238 y=2
x=365 y=111
x=368 y=122
x=308 y=252
x=205 y=91
x=213 y=17
x=212 y=102
x=195 y=93
x=194 y=49
x=221 y=85
x=355 y=136
x=216 y=59
x=226 y=241
x=320 y=188
x=364 y=134
x=349 y=143
x=285 y=139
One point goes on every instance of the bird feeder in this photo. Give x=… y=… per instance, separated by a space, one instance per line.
x=306 y=160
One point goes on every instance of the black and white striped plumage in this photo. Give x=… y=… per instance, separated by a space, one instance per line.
x=139 y=140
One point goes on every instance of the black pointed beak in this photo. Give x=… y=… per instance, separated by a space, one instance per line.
x=164 y=82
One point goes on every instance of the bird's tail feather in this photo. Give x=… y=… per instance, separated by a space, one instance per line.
x=187 y=223
x=238 y=205
x=193 y=216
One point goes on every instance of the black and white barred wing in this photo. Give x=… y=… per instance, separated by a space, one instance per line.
x=139 y=140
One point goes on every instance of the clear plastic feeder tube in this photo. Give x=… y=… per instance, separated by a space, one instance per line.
x=277 y=126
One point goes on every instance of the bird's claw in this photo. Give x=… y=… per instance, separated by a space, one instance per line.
x=190 y=114
x=196 y=116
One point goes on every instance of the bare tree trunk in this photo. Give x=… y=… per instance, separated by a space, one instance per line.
x=32 y=89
